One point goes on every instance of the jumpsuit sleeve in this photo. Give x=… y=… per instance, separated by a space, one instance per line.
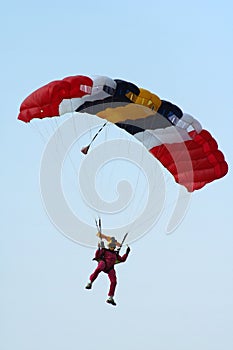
x=122 y=258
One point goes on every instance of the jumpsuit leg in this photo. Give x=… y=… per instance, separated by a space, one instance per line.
x=113 y=282
x=100 y=268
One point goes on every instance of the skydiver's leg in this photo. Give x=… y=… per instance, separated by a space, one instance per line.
x=113 y=282
x=100 y=268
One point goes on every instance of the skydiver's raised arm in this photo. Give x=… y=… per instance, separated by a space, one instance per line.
x=107 y=238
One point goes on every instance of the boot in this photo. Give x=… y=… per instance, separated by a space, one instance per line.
x=89 y=285
x=110 y=300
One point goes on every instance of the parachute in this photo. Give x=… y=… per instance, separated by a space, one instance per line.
x=175 y=138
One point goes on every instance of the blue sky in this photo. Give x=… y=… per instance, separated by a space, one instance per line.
x=175 y=291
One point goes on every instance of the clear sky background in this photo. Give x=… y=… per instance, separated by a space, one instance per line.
x=176 y=291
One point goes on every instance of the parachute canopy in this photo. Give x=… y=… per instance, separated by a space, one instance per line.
x=175 y=138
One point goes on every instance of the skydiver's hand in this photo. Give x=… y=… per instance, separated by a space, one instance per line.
x=127 y=250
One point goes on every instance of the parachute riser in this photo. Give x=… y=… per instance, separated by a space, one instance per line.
x=122 y=242
x=99 y=229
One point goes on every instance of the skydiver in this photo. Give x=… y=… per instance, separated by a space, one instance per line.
x=107 y=258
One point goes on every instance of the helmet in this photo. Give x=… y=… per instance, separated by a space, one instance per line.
x=112 y=243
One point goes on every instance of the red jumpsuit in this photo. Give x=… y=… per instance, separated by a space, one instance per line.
x=107 y=259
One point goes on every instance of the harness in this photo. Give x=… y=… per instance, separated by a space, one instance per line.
x=102 y=258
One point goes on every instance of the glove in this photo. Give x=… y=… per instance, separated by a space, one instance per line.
x=127 y=250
